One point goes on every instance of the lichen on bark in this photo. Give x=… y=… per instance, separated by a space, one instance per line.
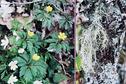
x=102 y=41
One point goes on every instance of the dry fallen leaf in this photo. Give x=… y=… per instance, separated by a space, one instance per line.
x=24 y=20
x=5 y=9
x=7 y=22
x=63 y=82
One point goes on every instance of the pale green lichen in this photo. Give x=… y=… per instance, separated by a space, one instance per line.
x=91 y=40
x=97 y=37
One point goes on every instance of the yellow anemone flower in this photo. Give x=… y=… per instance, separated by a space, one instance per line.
x=49 y=9
x=30 y=33
x=35 y=57
x=77 y=82
x=62 y=36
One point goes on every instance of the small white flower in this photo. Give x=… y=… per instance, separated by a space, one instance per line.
x=12 y=79
x=37 y=82
x=25 y=15
x=15 y=34
x=20 y=9
x=21 y=50
x=17 y=38
x=80 y=1
x=13 y=65
x=50 y=50
x=4 y=42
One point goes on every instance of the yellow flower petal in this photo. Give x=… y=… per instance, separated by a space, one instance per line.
x=35 y=57
x=49 y=9
x=30 y=33
x=62 y=36
x=77 y=82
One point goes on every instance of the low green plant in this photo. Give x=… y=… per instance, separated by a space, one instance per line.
x=37 y=47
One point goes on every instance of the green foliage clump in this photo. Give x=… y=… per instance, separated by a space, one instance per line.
x=37 y=46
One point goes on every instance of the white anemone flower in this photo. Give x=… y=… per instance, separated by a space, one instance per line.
x=12 y=79
x=80 y=1
x=13 y=65
x=4 y=42
x=21 y=50
x=37 y=82
x=15 y=34
x=20 y=9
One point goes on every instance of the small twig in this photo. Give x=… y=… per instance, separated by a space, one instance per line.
x=25 y=3
x=18 y=3
x=58 y=9
x=61 y=63
x=43 y=33
x=60 y=56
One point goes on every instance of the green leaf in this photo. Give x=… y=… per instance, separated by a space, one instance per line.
x=59 y=48
x=39 y=68
x=54 y=35
x=6 y=77
x=15 y=24
x=65 y=22
x=46 y=81
x=34 y=70
x=53 y=64
x=50 y=72
x=65 y=46
x=2 y=58
x=14 y=50
x=23 y=70
x=30 y=46
x=3 y=67
x=25 y=56
x=47 y=22
x=21 y=61
x=24 y=44
x=12 y=40
x=78 y=62
x=52 y=47
x=19 y=42
x=28 y=75
x=67 y=25
x=21 y=34
x=51 y=40
x=28 y=26
x=59 y=77
x=47 y=56
x=3 y=74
